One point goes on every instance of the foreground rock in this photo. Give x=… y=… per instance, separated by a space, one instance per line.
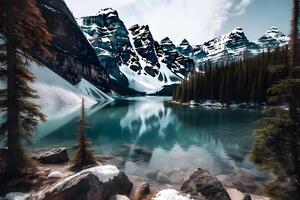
x=94 y=183
x=138 y=149
x=202 y=184
x=143 y=191
x=53 y=156
x=237 y=195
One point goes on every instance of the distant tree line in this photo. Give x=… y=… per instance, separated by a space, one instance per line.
x=244 y=81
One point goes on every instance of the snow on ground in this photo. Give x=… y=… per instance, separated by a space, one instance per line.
x=104 y=173
x=55 y=174
x=16 y=196
x=58 y=97
x=90 y=90
x=170 y=194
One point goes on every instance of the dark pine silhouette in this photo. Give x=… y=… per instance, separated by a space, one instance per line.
x=238 y=82
x=277 y=145
x=25 y=32
x=84 y=155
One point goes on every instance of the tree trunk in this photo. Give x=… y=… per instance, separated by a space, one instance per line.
x=15 y=154
x=293 y=112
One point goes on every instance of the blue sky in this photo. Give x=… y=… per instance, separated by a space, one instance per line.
x=196 y=20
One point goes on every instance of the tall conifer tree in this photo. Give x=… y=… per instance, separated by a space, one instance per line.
x=26 y=34
x=277 y=146
x=84 y=155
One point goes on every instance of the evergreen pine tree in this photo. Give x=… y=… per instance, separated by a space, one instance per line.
x=277 y=146
x=26 y=34
x=84 y=155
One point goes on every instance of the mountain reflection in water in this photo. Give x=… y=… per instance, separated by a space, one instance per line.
x=169 y=137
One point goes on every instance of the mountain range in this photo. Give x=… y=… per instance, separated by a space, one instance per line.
x=99 y=52
x=232 y=46
x=135 y=61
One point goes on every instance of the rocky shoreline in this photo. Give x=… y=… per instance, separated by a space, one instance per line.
x=56 y=181
x=219 y=105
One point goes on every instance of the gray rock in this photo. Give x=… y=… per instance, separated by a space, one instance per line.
x=176 y=177
x=247 y=197
x=53 y=156
x=138 y=149
x=161 y=178
x=86 y=186
x=142 y=191
x=151 y=174
x=202 y=184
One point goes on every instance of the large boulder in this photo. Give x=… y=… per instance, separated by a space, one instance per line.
x=53 y=156
x=99 y=183
x=202 y=183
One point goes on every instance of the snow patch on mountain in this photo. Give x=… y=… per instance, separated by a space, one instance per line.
x=232 y=46
x=132 y=57
x=57 y=96
x=90 y=90
x=143 y=82
x=272 y=38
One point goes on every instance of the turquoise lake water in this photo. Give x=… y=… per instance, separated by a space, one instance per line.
x=154 y=140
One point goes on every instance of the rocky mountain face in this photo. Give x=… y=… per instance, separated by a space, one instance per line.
x=273 y=38
x=232 y=46
x=74 y=57
x=135 y=61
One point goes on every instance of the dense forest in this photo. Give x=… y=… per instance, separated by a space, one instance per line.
x=244 y=81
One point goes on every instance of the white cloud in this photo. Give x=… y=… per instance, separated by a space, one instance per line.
x=196 y=20
x=240 y=8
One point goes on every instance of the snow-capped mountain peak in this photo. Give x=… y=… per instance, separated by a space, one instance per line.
x=108 y=11
x=133 y=58
x=224 y=48
x=238 y=29
x=185 y=48
x=233 y=46
x=168 y=45
x=273 y=38
x=184 y=42
x=274 y=32
x=166 y=40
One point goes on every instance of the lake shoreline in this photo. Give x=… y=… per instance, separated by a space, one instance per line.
x=218 y=105
x=214 y=139
x=44 y=182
